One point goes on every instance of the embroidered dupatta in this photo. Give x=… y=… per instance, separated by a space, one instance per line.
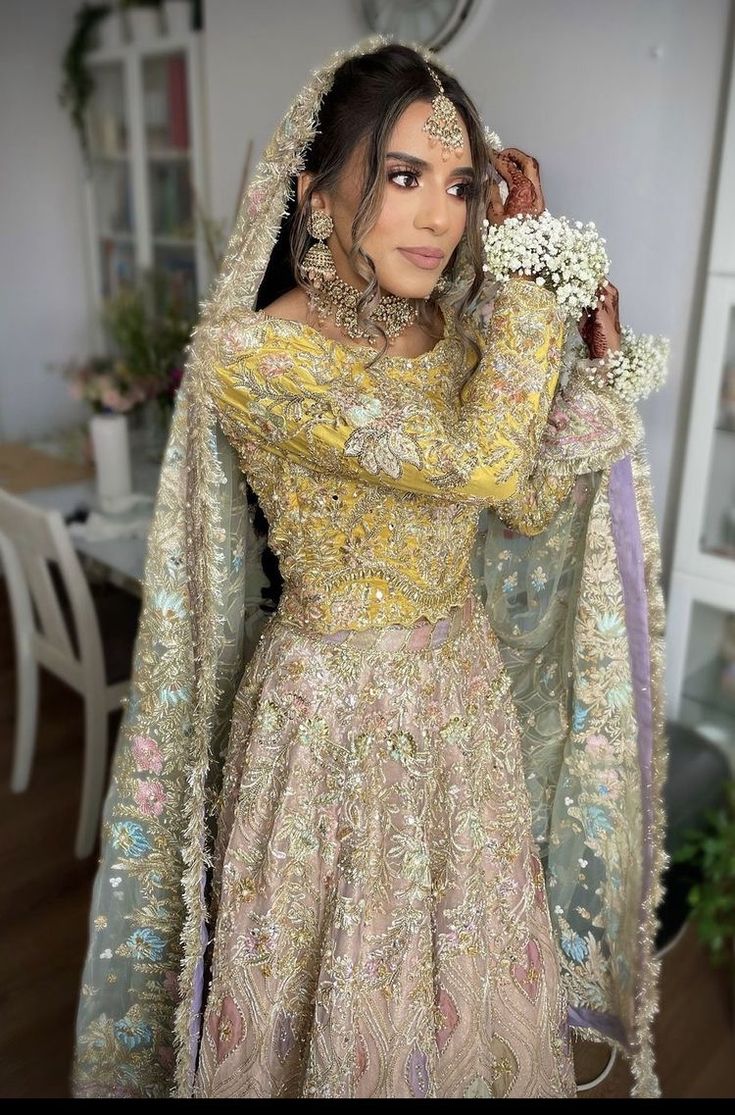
x=579 y=616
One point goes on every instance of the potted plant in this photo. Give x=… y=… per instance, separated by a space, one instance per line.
x=710 y=851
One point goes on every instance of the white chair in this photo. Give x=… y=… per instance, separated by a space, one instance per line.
x=32 y=542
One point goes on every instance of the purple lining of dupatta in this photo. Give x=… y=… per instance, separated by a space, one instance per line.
x=584 y=1018
x=195 y=1020
x=627 y=536
x=628 y=544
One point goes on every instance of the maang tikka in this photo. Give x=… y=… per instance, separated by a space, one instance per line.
x=318 y=263
x=444 y=123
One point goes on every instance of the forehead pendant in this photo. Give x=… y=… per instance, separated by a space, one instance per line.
x=443 y=125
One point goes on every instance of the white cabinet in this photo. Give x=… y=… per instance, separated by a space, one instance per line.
x=701 y=603
x=147 y=184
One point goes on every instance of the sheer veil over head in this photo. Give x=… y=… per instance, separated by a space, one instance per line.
x=578 y=613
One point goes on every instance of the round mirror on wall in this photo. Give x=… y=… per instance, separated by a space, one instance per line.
x=431 y=22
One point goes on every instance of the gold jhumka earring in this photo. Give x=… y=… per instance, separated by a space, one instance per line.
x=318 y=263
x=444 y=123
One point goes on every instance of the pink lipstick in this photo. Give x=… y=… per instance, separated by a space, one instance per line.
x=427 y=258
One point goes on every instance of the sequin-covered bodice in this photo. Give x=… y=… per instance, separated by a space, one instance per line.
x=373 y=477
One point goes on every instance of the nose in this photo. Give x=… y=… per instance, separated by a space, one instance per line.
x=433 y=211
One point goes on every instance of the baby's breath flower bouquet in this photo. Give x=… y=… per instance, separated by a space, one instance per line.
x=569 y=258
x=638 y=368
x=566 y=258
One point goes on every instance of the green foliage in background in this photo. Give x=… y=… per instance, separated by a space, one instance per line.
x=711 y=850
x=78 y=84
x=150 y=331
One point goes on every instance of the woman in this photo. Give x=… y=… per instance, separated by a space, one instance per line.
x=351 y=864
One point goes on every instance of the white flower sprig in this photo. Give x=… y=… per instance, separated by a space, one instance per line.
x=569 y=259
x=636 y=369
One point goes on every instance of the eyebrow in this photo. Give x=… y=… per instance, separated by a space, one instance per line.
x=421 y=164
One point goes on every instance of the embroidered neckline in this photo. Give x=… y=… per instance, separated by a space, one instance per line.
x=439 y=354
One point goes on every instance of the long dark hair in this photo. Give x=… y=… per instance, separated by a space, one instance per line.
x=368 y=96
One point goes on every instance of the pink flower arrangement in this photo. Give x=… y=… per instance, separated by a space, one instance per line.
x=106 y=384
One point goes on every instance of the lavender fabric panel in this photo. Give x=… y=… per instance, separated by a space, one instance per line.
x=608 y=1024
x=628 y=543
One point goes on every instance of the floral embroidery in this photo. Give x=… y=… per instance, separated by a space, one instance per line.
x=349 y=449
x=147 y=754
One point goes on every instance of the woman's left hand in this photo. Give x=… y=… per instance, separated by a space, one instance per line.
x=523 y=176
x=600 y=328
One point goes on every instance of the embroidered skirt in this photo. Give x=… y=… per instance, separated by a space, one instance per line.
x=382 y=926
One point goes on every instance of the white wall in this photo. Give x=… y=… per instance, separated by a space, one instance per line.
x=43 y=293
x=620 y=102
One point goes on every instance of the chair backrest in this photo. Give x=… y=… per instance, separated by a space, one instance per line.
x=41 y=540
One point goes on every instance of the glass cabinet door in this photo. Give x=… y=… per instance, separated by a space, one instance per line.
x=110 y=167
x=169 y=175
x=708 y=693
x=718 y=525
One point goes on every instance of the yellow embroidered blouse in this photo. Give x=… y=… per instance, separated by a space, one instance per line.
x=373 y=478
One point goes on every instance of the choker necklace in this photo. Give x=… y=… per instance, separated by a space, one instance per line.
x=338 y=300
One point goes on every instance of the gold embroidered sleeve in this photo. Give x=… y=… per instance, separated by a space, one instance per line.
x=535 y=503
x=338 y=416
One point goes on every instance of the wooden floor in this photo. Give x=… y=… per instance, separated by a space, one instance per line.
x=45 y=894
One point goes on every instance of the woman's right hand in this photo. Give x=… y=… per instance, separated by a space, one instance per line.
x=522 y=174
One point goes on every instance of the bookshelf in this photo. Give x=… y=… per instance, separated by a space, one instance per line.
x=146 y=177
x=701 y=604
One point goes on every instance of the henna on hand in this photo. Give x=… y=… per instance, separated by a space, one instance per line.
x=600 y=328
x=522 y=174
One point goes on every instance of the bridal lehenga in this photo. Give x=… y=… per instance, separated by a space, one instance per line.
x=405 y=838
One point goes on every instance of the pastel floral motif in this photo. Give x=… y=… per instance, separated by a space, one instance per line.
x=106 y=954
x=274 y=364
x=596 y=821
x=258 y=945
x=150 y=798
x=599 y=745
x=610 y=784
x=362 y=411
x=579 y=718
x=401 y=746
x=610 y=625
x=169 y=604
x=133 y=1033
x=147 y=754
x=145 y=944
x=510 y=583
x=575 y=947
x=538 y=578
x=379 y=448
x=130 y=838
x=619 y=696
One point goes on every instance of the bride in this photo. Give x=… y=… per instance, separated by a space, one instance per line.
x=410 y=841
